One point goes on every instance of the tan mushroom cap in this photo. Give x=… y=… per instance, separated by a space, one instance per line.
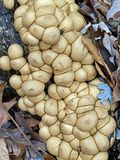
x=15 y=51
x=32 y=87
x=53 y=145
x=35 y=59
x=21 y=2
x=61 y=64
x=15 y=82
x=29 y=17
x=87 y=121
x=101 y=155
x=21 y=105
x=78 y=19
x=9 y=4
x=51 y=35
x=88 y=146
x=5 y=63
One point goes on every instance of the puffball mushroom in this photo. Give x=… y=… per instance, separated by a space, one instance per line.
x=21 y=105
x=101 y=155
x=78 y=19
x=32 y=87
x=35 y=59
x=15 y=82
x=9 y=4
x=87 y=121
x=15 y=51
x=44 y=132
x=21 y=2
x=74 y=123
x=53 y=145
x=5 y=63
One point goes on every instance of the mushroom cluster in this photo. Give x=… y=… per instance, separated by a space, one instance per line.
x=74 y=123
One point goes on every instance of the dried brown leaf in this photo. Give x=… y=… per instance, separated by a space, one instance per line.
x=101 y=73
x=26 y=138
x=101 y=63
x=100 y=6
x=16 y=148
x=4 y=106
x=26 y=126
x=32 y=122
x=17 y=158
x=48 y=157
x=93 y=50
x=99 y=70
x=86 y=8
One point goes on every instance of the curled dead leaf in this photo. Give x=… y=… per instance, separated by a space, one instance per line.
x=99 y=62
x=48 y=157
x=4 y=107
x=116 y=93
x=93 y=50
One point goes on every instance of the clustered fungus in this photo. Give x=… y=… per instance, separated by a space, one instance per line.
x=74 y=124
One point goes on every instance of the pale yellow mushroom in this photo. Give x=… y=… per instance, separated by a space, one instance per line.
x=102 y=141
x=32 y=87
x=21 y=2
x=53 y=145
x=15 y=82
x=28 y=17
x=64 y=79
x=35 y=59
x=65 y=150
x=78 y=19
x=15 y=51
x=51 y=35
x=21 y=105
x=55 y=129
x=9 y=4
x=53 y=93
x=62 y=64
x=49 y=120
x=51 y=107
x=31 y=110
x=44 y=132
x=25 y=69
x=20 y=92
x=101 y=155
x=40 y=108
x=41 y=76
x=86 y=122
x=27 y=102
x=88 y=146
x=19 y=12
x=5 y=63
x=109 y=127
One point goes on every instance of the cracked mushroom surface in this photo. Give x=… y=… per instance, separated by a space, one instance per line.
x=75 y=124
